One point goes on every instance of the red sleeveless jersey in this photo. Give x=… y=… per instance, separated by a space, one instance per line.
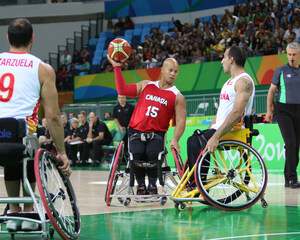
x=155 y=108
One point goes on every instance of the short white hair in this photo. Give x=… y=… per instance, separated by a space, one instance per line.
x=293 y=45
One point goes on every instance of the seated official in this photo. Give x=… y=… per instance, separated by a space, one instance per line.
x=44 y=137
x=98 y=135
x=75 y=141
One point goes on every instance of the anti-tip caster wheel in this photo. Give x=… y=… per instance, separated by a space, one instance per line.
x=127 y=202
x=264 y=203
x=163 y=201
x=182 y=206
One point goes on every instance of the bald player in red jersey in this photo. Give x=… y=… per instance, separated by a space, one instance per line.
x=158 y=103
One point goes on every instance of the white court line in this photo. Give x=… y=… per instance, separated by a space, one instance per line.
x=256 y=235
x=104 y=183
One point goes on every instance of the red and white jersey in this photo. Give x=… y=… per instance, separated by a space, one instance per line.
x=155 y=108
x=20 y=87
x=227 y=98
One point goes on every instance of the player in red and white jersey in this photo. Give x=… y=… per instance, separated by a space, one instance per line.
x=236 y=100
x=25 y=81
x=157 y=104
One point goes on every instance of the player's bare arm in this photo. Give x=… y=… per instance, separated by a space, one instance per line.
x=244 y=89
x=180 y=113
x=49 y=100
x=270 y=99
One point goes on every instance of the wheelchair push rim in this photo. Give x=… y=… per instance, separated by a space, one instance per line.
x=113 y=176
x=234 y=178
x=57 y=195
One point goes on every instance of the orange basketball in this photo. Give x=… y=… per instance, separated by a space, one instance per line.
x=119 y=49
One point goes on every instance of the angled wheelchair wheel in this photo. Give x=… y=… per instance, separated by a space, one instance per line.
x=57 y=195
x=178 y=162
x=233 y=177
x=114 y=172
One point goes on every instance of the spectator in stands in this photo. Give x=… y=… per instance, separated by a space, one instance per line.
x=205 y=51
x=65 y=58
x=84 y=53
x=226 y=40
x=216 y=51
x=98 y=135
x=277 y=13
x=128 y=24
x=269 y=49
x=70 y=78
x=177 y=24
x=296 y=29
x=198 y=24
x=288 y=32
x=249 y=51
x=119 y=27
x=250 y=30
x=109 y=25
x=85 y=66
x=76 y=59
x=278 y=31
x=150 y=62
x=139 y=63
x=61 y=81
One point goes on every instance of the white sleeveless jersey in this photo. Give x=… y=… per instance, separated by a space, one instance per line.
x=20 y=87
x=227 y=98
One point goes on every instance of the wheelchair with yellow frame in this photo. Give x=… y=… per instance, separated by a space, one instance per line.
x=55 y=207
x=234 y=177
x=121 y=181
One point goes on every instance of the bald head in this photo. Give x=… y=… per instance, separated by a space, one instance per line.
x=169 y=71
x=171 y=61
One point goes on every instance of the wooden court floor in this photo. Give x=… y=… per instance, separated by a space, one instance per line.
x=280 y=220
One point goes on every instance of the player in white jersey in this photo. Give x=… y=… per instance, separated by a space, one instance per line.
x=236 y=100
x=24 y=81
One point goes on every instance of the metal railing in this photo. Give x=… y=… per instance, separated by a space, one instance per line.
x=197 y=105
x=98 y=108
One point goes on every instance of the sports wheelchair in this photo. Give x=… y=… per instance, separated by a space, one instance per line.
x=234 y=177
x=121 y=182
x=55 y=206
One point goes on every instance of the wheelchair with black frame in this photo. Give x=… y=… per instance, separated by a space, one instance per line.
x=121 y=182
x=234 y=177
x=55 y=207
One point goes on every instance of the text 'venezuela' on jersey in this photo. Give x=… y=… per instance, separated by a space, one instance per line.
x=20 y=87
x=155 y=108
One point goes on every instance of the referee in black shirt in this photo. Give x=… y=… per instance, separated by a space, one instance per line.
x=286 y=80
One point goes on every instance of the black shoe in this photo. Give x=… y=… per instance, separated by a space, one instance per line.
x=152 y=189
x=141 y=190
x=287 y=183
x=294 y=184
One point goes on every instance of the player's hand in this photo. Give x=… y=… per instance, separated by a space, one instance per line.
x=269 y=117
x=174 y=144
x=211 y=145
x=65 y=167
x=113 y=63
